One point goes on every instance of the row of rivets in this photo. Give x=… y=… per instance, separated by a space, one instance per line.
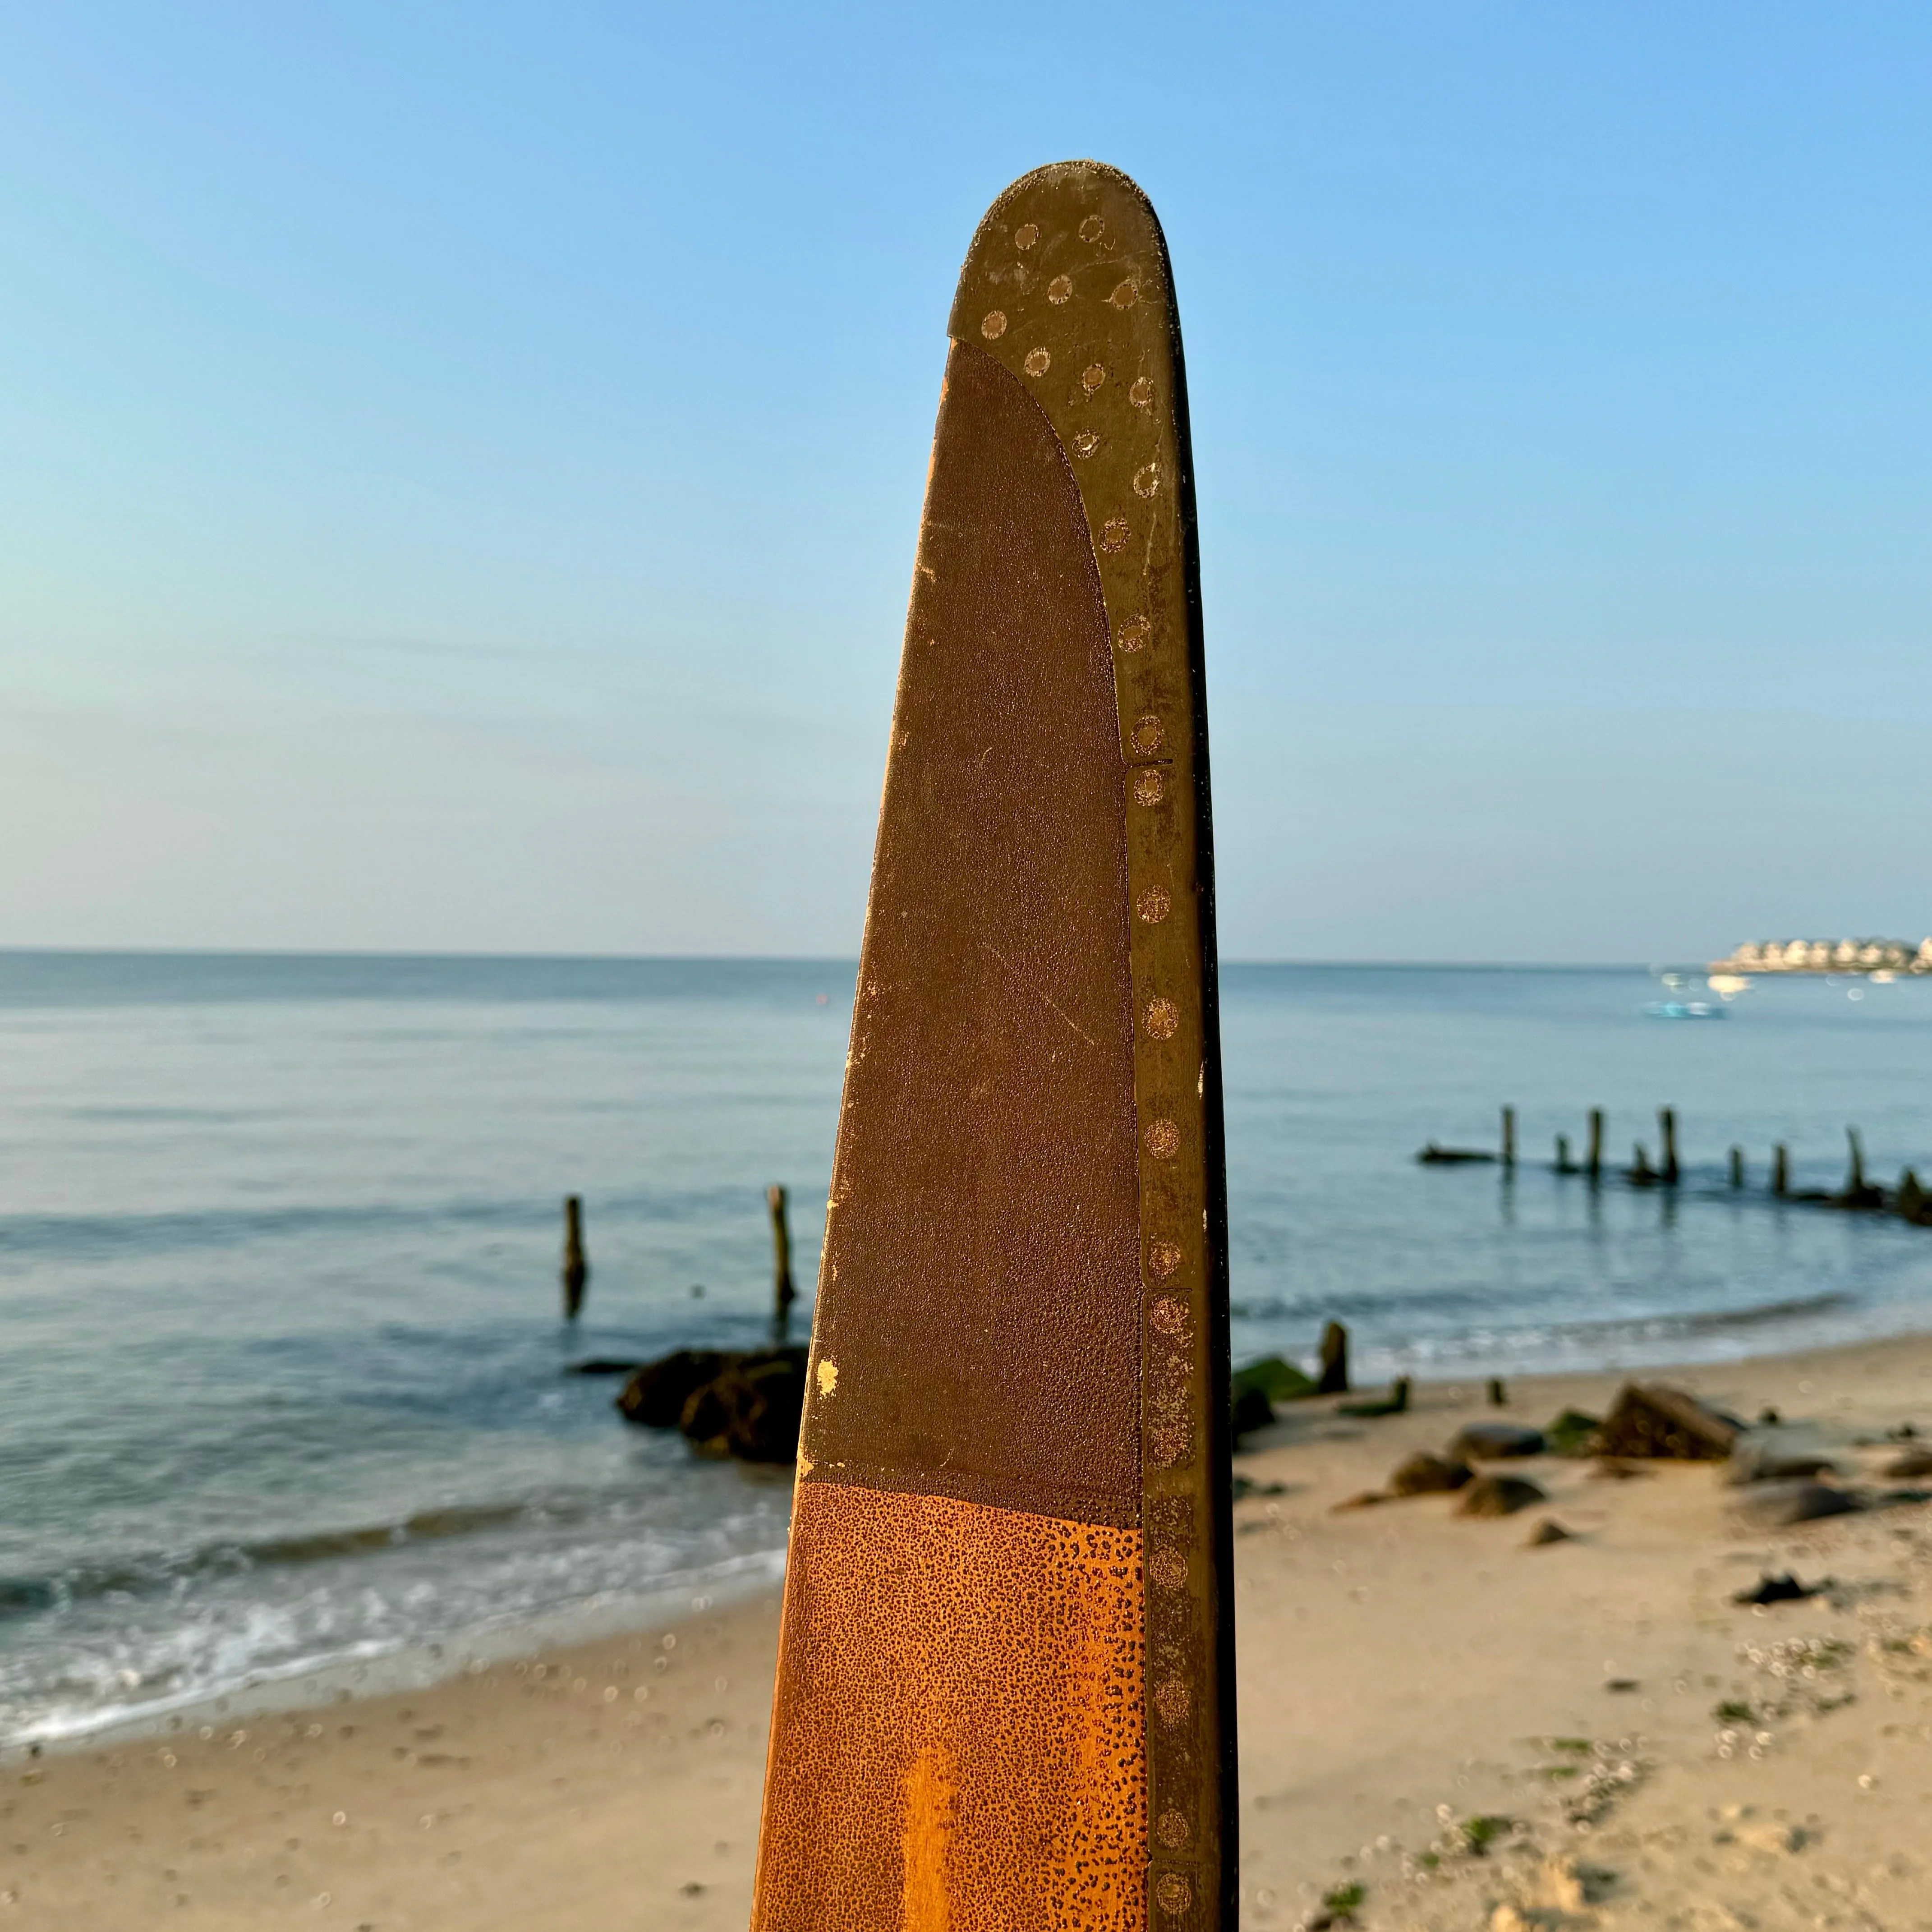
x=1169 y=1422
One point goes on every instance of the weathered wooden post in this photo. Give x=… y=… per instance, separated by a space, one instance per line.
x=1855 y=1169
x=1509 y=1137
x=1641 y=1174
x=1780 y=1170
x=576 y=1264
x=783 y=1293
x=1005 y=1686
x=1666 y=1135
x=1333 y=1376
x=1564 y=1164
x=1594 y=1164
x=1737 y=1167
x=1498 y=1392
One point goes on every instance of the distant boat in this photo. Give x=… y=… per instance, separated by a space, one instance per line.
x=1682 y=1010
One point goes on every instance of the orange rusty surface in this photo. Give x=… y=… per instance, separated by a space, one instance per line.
x=957 y=1740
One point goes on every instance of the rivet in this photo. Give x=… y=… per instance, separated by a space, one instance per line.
x=1114 y=535
x=1148 y=786
x=1174 y=1892
x=1025 y=235
x=1171 y=1701
x=1163 y=1139
x=1060 y=290
x=1148 y=737
x=1085 y=441
x=1172 y=1829
x=1091 y=377
x=995 y=326
x=1038 y=361
x=1146 y=479
x=1152 y=905
x=1133 y=633
x=1163 y=1016
x=1163 y=1257
x=1124 y=296
x=1092 y=229
x=1140 y=393
x=1168 y=1315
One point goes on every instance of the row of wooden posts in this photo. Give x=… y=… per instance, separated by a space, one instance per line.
x=1857 y=1191
x=576 y=1275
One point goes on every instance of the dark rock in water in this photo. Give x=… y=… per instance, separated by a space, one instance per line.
x=1760 y=1456
x=1424 y=1474
x=603 y=1365
x=752 y=1410
x=1769 y=1417
x=1396 y=1403
x=1277 y=1379
x=1493 y=1442
x=1549 y=1531
x=656 y=1395
x=1573 y=1433
x=1912 y=1462
x=1253 y=1411
x=1432 y=1156
x=1334 y=1377
x=1785 y=1589
x=1779 y=1505
x=1651 y=1420
x=1498 y=1495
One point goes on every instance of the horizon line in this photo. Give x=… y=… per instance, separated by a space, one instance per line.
x=447 y=955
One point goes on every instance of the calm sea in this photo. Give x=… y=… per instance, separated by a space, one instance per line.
x=281 y=1370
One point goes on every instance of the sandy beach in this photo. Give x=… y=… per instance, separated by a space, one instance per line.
x=1441 y=1721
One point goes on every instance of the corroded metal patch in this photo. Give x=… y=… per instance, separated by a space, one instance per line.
x=956 y=1740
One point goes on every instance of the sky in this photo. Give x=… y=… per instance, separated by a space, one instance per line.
x=460 y=465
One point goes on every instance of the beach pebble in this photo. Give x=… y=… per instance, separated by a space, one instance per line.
x=1913 y=1462
x=1771 y=1835
x=1549 y=1531
x=1761 y=1456
x=1424 y=1474
x=1491 y=1442
x=1498 y=1495
x=1778 y=1505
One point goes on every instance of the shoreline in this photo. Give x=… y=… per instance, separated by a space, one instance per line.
x=1392 y=1661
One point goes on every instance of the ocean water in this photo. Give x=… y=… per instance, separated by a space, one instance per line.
x=281 y=1368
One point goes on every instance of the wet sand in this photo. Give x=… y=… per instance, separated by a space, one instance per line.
x=1664 y=1757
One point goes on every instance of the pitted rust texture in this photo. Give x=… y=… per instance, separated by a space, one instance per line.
x=957 y=1738
x=978 y=1299
x=1067 y=284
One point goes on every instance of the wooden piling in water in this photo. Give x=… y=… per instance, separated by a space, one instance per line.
x=1509 y=1137
x=783 y=1293
x=1737 y=1167
x=1666 y=1134
x=1780 y=1170
x=1594 y=1165
x=1564 y=1163
x=576 y=1265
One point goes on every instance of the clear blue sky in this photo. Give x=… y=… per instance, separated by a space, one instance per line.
x=460 y=465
